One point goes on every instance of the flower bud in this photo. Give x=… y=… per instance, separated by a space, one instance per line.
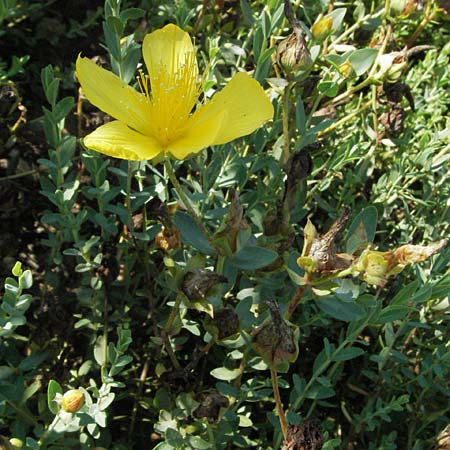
x=391 y=66
x=346 y=69
x=402 y=8
x=322 y=29
x=16 y=443
x=72 y=401
x=293 y=54
x=374 y=267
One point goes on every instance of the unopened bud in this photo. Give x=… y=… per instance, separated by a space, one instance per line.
x=391 y=66
x=72 y=401
x=322 y=29
x=346 y=69
x=16 y=443
x=293 y=54
x=374 y=267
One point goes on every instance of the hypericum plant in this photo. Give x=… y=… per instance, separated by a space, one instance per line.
x=201 y=258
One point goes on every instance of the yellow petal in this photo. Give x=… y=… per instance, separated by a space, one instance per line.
x=199 y=135
x=110 y=94
x=172 y=69
x=246 y=105
x=168 y=49
x=117 y=140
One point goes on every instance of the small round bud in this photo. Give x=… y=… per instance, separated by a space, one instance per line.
x=322 y=29
x=72 y=401
x=346 y=69
x=16 y=443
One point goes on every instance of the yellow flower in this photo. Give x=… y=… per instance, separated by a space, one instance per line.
x=159 y=120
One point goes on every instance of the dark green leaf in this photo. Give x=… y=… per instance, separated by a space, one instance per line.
x=391 y=313
x=346 y=311
x=191 y=233
x=348 y=353
x=252 y=257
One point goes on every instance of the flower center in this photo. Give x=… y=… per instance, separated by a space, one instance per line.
x=173 y=92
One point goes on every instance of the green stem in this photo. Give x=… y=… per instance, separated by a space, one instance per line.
x=173 y=314
x=285 y=117
x=212 y=441
x=20 y=175
x=167 y=329
x=173 y=178
x=277 y=398
x=49 y=430
x=25 y=415
x=345 y=119
x=128 y=199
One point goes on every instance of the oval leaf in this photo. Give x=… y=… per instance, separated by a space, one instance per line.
x=251 y=258
x=53 y=389
x=224 y=374
x=346 y=311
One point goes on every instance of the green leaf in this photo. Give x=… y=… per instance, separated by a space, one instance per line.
x=338 y=309
x=252 y=257
x=362 y=230
x=53 y=389
x=247 y=13
x=224 y=374
x=362 y=59
x=328 y=88
x=300 y=117
x=405 y=294
x=318 y=392
x=62 y=108
x=191 y=233
x=17 y=269
x=348 y=353
x=391 y=313
x=338 y=15
x=197 y=442
x=131 y=14
x=52 y=92
x=26 y=280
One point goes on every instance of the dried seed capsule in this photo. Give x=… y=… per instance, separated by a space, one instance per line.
x=198 y=282
x=293 y=54
x=276 y=340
